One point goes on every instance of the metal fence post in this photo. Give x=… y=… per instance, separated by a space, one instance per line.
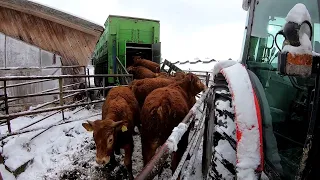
x=207 y=79
x=104 y=86
x=86 y=87
x=61 y=95
x=6 y=104
x=88 y=73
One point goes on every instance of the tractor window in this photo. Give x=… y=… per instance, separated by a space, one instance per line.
x=285 y=130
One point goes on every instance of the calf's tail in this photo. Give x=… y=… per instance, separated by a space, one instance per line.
x=164 y=110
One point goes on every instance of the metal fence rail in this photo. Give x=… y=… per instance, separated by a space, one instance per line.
x=8 y=116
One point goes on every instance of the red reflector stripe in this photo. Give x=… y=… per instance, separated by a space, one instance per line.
x=256 y=102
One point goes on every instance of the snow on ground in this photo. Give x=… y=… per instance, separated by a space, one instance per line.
x=6 y=175
x=62 y=152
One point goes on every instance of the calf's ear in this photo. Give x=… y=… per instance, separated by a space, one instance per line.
x=119 y=125
x=88 y=126
x=190 y=77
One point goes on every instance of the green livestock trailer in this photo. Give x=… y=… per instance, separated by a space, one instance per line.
x=123 y=38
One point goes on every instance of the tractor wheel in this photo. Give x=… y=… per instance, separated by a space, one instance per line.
x=223 y=161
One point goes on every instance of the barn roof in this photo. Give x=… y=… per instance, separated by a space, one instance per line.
x=71 y=37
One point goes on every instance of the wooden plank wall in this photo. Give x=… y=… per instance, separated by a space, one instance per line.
x=74 y=46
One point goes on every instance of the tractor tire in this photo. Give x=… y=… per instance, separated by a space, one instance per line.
x=223 y=160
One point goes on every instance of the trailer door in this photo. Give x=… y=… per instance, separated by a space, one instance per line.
x=156 y=52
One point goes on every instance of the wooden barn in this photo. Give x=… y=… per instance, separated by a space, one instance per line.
x=33 y=36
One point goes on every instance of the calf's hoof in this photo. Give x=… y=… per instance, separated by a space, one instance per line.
x=117 y=151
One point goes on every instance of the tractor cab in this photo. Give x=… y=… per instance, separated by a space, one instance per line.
x=290 y=132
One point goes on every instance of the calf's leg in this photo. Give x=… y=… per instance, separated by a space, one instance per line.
x=148 y=150
x=128 y=149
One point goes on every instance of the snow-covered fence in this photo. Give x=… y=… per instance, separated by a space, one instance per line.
x=154 y=165
x=61 y=100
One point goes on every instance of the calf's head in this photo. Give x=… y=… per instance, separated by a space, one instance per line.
x=104 y=134
x=196 y=86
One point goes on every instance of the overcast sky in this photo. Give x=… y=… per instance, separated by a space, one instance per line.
x=189 y=28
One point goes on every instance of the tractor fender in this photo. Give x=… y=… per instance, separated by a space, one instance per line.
x=269 y=141
x=248 y=121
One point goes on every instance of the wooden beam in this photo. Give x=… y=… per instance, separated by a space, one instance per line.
x=53 y=15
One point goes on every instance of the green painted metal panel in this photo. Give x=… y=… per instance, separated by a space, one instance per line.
x=123 y=30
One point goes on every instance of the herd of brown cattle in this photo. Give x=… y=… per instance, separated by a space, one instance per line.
x=154 y=102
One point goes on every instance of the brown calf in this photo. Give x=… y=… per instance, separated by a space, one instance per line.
x=120 y=112
x=142 y=87
x=163 y=109
x=179 y=75
x=141 y=72
x=162 y=75
x=154 y=67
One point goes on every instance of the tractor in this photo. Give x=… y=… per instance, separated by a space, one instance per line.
x=286 y=82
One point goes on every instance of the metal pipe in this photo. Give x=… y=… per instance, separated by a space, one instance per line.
x=12 y=78
x=39 y=128
x=149 y=171
x=104 y=85
x=44 y=110
x=11 y=99
x=54 y=93
x=45 y=67
x=86 y=86
x=46 y=104
x=6 y=104
x=69 y=85
x=26 y=83
x=61 y=96
x=88 y=73
x=125 y=70
x=38 y=121
x=196 y=71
